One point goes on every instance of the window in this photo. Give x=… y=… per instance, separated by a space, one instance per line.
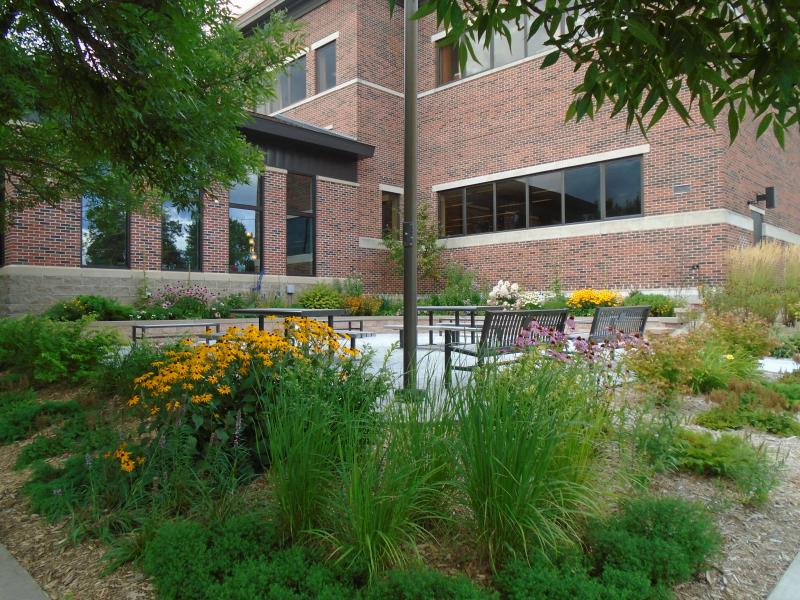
x=104 y=234
x=624 y=187
x=510 y=198
x=180 y=238
x=480 y=210
x=586 y=193
x=291 y=85
x=582 y=194
x=451 y=212
x=326 y=66
x=500 y=51
x=244 y=227
x=390 y=212
x=300 y=216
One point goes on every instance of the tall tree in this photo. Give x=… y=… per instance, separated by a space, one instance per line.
x=129 y=100
x=737 y=57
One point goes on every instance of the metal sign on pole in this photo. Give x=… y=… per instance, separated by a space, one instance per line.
x=410 y=165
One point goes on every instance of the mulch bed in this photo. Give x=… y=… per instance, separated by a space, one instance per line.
x=760 y=543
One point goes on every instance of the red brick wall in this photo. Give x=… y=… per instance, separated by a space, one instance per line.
x=47 y=236
x=274 y=223
x=214 y=236
x=144 y=242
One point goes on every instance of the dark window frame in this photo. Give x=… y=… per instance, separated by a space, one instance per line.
x=397 y=202
x=127 y=264
x=317 y=63
x=258 y=208
x=562 y=173
x=276 y=104
x=200 y=214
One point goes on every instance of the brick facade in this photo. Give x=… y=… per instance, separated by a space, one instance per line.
x=504 y=119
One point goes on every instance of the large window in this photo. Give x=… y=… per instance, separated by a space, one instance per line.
x=300 y=212
x=180 y=238
x=390 y=212
x=291 y=85
x=104 y=234
x=586 y=193
x=500 y=51
x=326 y=66
x=244 y=227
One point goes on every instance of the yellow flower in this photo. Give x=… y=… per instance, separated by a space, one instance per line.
x=729 y=357
x=133 y=401
x=224 y=389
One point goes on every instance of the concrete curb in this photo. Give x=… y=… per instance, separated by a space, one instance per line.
x=15 y=582
x=788 y=587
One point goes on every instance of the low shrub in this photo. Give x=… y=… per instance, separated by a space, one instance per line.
x=667 y=540
x=729 y=456
x=788 y=345
x=741 y=334
x=22 y=415
x=98 y=307
x=749 y=403
x=82 y=433
x=570 y=579
x=583 y=302
x=660 y=304
x=116 y=374
x=362 y=305
x=460 y=289
x=424 y=584
x=391 y=306
x=320 y=295
x=40 y=350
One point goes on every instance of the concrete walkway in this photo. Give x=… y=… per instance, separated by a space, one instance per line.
x=788 y=587
x=15 y=583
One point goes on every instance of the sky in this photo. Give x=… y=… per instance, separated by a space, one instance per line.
x=239 y=6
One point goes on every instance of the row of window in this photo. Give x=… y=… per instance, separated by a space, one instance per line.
x=104 y=231
x=500 y=51
x=587 y=193
x=291 y=85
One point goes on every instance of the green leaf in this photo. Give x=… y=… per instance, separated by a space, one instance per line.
x=550 y=59
x=641 y=32
x=733 y=124
x=763 y=125
x=777 y=130
x=197 y=420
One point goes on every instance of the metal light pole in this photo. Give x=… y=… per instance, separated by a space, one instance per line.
x=410 y=200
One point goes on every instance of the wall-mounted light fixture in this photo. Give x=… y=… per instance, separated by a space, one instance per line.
x=768 y=198
x=758 y=213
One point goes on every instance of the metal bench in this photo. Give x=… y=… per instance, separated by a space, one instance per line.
x=170 y=325
x=354 y=335
x=429 y=328
x=350 y=326
x=608 y=320
x=499 y=335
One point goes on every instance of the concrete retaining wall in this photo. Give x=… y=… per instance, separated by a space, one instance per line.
x=33 y=289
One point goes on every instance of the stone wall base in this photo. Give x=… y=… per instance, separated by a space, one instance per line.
x=33 y=289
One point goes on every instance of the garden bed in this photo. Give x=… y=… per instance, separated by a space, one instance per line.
x=759 y=543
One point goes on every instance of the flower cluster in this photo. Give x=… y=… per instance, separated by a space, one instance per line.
x=504 y=294
x=532 y=300
x=126 y=462
x=209 y=383
x=590 y=298
x=168 y=295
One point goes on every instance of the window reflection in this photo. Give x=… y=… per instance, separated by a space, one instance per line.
x=582 y=194
x=104 y=234
x=624 y=187
x=180 y=238
x=544 y=192
x=300 y=216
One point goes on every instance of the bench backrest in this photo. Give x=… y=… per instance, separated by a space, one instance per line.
x=612 y=319
x=501 y=328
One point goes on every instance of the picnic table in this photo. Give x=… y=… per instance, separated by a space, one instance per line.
x=313 y=313
x=457 y=311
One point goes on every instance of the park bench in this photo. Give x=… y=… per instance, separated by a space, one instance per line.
x=145 y=327
x=355 y=334
x=611 y=320
x=499 y=335
x=349 y=322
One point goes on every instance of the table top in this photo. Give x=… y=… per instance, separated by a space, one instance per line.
x=292 y=312
x=455 y=308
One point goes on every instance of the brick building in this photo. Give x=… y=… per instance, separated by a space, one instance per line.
x=518 y=193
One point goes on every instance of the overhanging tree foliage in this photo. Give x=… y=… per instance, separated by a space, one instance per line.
x=739 y=57
x=129 y=100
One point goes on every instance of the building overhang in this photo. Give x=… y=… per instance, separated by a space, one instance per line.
x=295 y=132
x=295 y=8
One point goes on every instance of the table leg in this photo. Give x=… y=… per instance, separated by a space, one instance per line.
x=447 y=358
x=261 y=322
x=330 y=321
x=458 y=322
x=430 y=331
x=133 y=333
x=472 y=324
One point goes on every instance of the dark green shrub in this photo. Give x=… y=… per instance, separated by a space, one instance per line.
x=570 y=579
x=320 y=295
x=778 y=423
x=749 y=467
x=666 y=539
x=189 y=307
x=99 y=307
x=460 y=288
x=660 y=304
x=423 y=584
x=22 y=415
x=80 y=434
x=41 y=350
x=789 y=345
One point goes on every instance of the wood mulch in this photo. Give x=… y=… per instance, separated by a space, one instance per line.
x=759 y=545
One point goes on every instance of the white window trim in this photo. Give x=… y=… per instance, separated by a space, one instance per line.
x=542 y=168
x=383 y=187
x=294 y=57
x=335 y=88
x=438 y=36
x=326 y=40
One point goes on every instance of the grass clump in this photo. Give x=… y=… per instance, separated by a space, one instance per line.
x=320 y=295
x=424 y=584
x=660 y=305
x=82 y=433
